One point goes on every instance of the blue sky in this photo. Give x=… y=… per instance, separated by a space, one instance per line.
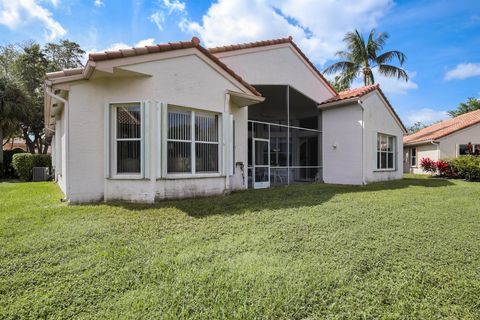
x=440 y=38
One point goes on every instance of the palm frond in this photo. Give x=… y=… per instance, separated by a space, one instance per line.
x=388 y=56
x=343 y=54
x=392 y=71
x=339 y=67
x=356 y=46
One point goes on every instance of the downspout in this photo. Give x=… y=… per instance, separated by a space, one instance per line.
x=438 y=148
x=67 y=145
x=364 y=182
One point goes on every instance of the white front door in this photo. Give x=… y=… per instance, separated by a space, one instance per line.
x=261 y=163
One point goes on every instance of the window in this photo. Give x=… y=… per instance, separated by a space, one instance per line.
x=385 y=152
x=192 y=142
x=413 y=157
x=127 y=139
x=469 y=149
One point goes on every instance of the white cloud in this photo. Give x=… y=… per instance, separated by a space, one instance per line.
x=463 y=71
x=167 y=8
x=174 y=5
x=426 y=116
x=145 y=42
x=19 y=13
x=391 y=85
x=123 y=45
x=98 y=3
x=317 y=27
x=158 y=18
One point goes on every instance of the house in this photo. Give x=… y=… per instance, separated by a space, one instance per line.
x=444 y=140
x=178 y=120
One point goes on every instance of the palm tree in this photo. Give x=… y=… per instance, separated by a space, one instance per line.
x=361 y=57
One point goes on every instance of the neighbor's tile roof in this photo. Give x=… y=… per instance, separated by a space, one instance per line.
x=124 y=53
x=271 y=43
x=444 y=128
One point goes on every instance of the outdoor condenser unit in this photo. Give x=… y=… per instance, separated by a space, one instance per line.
x=40 y=173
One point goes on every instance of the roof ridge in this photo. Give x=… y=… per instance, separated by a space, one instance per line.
x=272 y=42
x=137 y=51
x=444 y=128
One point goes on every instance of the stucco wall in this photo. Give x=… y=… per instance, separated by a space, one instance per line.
x=276 y=65
x=449 y=144
x=423 y=151
x=342 y=145
x=185 y=81
x=378 y=119
x=342 y=126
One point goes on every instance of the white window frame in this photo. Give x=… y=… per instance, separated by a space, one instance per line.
x=414 y=165
x=192 y=141
x=474 y=146
x=113 y=138
x=393 y=152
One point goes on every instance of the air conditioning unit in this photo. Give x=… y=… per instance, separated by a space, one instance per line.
x=41 y=174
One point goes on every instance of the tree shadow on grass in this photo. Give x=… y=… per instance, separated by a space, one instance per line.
x=293 y=196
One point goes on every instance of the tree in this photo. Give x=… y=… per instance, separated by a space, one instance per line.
x=339 y=85
x=31 y=66
x=63 y=55
x=417 y=126
x=363 y=56
x=12 y=110
x=471 y=104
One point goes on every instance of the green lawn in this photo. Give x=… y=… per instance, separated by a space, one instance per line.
x=403 y=249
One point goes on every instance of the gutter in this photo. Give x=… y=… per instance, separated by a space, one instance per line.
x=48 y=91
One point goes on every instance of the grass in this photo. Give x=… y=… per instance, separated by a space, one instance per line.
x=401 y=249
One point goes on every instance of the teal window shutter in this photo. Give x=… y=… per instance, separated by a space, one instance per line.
x=107 y=143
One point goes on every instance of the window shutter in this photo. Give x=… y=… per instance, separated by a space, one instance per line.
x=225 y=143
x=146 y=138
x=158 y=141
x=163 y=138
x=231 y=136
x=107 y=144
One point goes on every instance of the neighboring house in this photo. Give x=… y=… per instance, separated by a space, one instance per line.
x=14 y=144
x=444 y=140
x=178 y=120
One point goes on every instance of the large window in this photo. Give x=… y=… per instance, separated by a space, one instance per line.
x=413 y=157
x=127 y=139
x=192 y=142
x=385 y=152
x=469 y=149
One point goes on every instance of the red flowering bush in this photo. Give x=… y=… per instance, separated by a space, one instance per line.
x=443 y=168
x=428 y=165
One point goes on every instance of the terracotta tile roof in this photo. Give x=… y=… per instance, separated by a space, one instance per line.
x=352 y=93
x=64 y=73
x=359 y=92
x=271 y=43
x=124 y=53
x=444 y=128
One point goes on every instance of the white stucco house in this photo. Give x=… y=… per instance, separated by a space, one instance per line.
x=179 y=120
x=444 y=140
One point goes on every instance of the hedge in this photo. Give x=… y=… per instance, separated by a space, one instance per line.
x=8 y=171
x=463 y=167
x=23 y=163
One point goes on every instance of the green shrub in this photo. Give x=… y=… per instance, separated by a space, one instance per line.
x=8 y=170
x=466 y=167
x=23 y=164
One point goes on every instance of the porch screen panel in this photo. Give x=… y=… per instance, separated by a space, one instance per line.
x=206 y=142
x=179 y=140
x=128 y=139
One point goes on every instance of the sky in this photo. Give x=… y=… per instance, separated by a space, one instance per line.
x=441 y=39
